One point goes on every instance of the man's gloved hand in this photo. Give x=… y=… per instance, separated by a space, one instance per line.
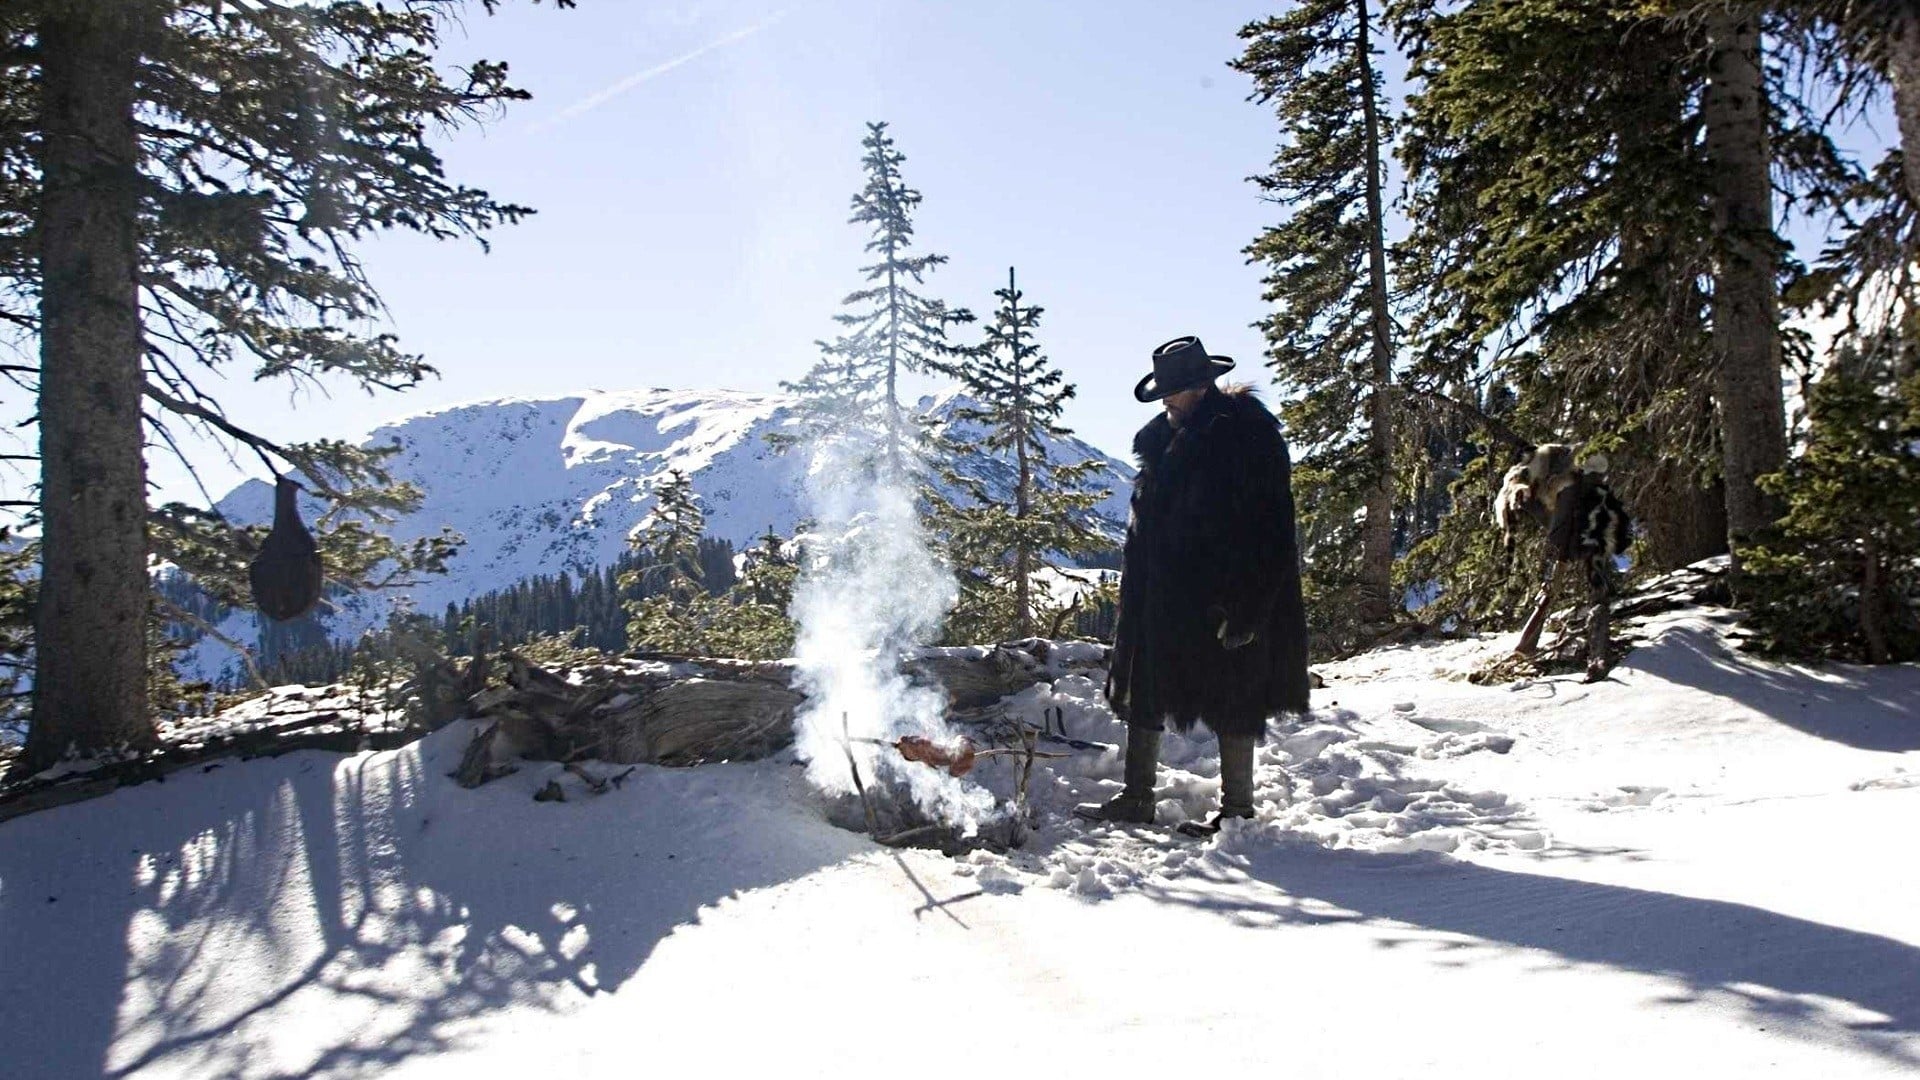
x=1230 y=637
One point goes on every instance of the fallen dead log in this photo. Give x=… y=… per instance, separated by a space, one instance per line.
x=975 y=677
x=477 y=764
x=667 y=709
x=703 y=719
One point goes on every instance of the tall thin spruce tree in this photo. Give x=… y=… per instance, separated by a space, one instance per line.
x=890 y=326
x=1747 y=257
x=152 y=231
x=1330 y=331
x=1015 y=397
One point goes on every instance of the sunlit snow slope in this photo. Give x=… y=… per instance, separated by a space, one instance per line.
x=1701 y=867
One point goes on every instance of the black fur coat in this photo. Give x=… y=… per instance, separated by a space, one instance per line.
x=1211 y=540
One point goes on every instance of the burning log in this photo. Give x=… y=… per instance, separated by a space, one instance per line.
x=958 y=759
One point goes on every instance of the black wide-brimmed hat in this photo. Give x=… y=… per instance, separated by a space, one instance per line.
x=1181 y=364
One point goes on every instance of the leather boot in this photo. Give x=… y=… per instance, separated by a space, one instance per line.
x=1134 y=804
x=1236 y=785
x=1236 y=775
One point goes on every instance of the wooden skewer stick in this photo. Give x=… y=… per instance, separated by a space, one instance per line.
x=866 y=803
x=900 y=839
x=991 y=751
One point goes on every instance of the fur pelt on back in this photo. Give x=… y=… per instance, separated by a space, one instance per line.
x=1589 y=525
x=1211 y=554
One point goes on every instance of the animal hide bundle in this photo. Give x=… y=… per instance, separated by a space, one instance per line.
x=1589 y=524
x=286 y=573
x=1571 y=499
x=1532 y=488
x=1212 y=626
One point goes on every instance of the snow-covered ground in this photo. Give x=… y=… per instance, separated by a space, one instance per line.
x=1702 y=867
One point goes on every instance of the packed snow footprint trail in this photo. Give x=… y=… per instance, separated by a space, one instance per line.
x=1320 y=780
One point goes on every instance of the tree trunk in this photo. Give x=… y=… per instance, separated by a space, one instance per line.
x=1873 y=603
x=1376 y=561
x=1680 y=522
x=1746 y=325
x=90 y=623
x=1023 y=494
x=1903 y=65
x=894 y=462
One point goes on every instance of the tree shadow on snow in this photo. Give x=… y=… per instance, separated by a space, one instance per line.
x=1866 y=708
x=1773 y=963
x=319 y=916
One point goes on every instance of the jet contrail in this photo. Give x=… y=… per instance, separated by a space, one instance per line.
x=601 y=97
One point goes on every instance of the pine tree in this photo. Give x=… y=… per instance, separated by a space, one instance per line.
x=678 y=604
x=890 y=327
x=1330 y=333
x=671 y=575
x=152 y=230
x=751 y=621
x=768 y=570
x=717 y=570
x=1014 y=400
x=1840 y=575
x=1560 y=252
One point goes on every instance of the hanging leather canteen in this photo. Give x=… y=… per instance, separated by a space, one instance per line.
x=286 y=573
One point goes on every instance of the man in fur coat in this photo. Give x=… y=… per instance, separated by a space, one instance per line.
x=1212 y=626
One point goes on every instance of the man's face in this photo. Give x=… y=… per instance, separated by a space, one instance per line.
x=1180 y=404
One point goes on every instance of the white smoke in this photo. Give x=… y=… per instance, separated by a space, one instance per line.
x=870 y=590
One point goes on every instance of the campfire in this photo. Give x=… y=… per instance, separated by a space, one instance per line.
x=957 y=757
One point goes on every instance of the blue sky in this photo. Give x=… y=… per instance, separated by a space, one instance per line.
x=692 y=165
